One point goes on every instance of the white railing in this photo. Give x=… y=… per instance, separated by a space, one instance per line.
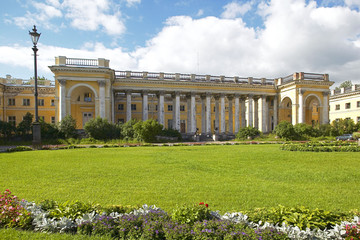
x=81 y=62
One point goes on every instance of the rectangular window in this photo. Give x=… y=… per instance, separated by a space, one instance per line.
x=337 y=107
x=358 y=104
x=214 y=108
x=121 y=107
x=170 y=108
x=133 y=107
x=347 y=105
x=52 y=102
x=358 y=119
x=12 y=120
x=87 y=97
x=11 y=101
x=53 y=120
x=26 y=102
x=170 y=123
x=182 y=108
x=156 y=107
x=40 y=102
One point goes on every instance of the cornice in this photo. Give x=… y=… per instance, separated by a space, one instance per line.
x=306 y=82
x=343 y=95
x=56 y=68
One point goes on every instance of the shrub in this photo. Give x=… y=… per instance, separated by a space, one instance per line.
x=101 y=128
x=286 y=130
x=67 y=127
x=24 y=126
x=191 y=214
x=49 y=131
x=147 y=131
x=127 y=129
x=6 y=129
x=305 y=131
x=12 y=214
x=171 y=133
x=19 y=149
x=246 y=132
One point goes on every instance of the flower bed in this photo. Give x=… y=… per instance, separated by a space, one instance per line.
x=339 y=146
x=185 y=222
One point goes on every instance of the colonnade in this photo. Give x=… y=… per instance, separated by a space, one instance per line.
x=243 y=110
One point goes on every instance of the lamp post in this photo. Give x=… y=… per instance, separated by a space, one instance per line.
x=36 y=125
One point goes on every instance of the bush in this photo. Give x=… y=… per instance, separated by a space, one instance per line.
x=247 y=132
x=286 y=130
x=127 y=129
x=24 y=126
x=67 y=127
x=6 y=129
x=147 y=131
x=49 y=131
x=191 y=214
x=102 y=129
x=19 y=149
x=171 y=133
x=305 y=131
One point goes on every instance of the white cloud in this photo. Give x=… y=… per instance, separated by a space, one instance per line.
x=235 y=9
x=94 y=15
x=131 y=3
x=200 y=13
x=352 y=3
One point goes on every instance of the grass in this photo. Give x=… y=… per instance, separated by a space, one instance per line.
x=228 y=178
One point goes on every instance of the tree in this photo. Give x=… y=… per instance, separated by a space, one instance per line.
x=127 y=129
x=6 y=129
x=101 y=128
x=24 y=126
x=246 y=132
x=346 y=84
x=67 y=127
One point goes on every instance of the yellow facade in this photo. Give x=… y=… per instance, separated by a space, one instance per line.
x=345 y=103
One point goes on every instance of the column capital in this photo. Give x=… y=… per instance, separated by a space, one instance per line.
x=236 y=95
x=217 y=97
x=250 y=96
x=160 y=93
x=222 y=95
x=230 y=97
x=128 y=91
x=190 y=94
x=301 y=91
x=264 y=97
x=325 y=94
x=62 y=82
x=176 y=93
x=144 y=92
x=101 y=83
x=208 y=94
x=203 y=95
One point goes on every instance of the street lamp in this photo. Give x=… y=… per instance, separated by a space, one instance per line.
x=36 y=125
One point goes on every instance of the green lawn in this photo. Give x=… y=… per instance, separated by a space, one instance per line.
x=238 y=177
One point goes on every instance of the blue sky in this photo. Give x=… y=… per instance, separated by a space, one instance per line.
x=259 y=38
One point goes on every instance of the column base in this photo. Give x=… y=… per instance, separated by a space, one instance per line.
x=36 y=135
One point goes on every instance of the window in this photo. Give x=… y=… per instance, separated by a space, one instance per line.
x=182 y=108
x=358 y=104
x=52 y=102
x=337 y=107
x=11 y=101
x=133 y=107
x=121 y=107
x=53 y=120
x=40 y=102
x=214 y=108
x=170 y=108
x=26 y=102
x=87 y=97
x=12 y=120
x=121 y=120
x=358 y=119
x=347 y=105
x=170 y=123
x=156 y=107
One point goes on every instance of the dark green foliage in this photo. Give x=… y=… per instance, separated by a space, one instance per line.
x=147 y=131
x=50 y=131
x=127 y=129
x=101 y=128
x=25 y=125
x=246 y=132
x=6 y=129
x=305 y=131
x=338 y=146
x=19 y=149
x=191 y=214
x=171 y=133
x=342 y=126
x=286 y=130
x=67 y=126
x=298 y=216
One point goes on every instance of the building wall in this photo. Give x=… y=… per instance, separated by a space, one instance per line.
x=345 y=104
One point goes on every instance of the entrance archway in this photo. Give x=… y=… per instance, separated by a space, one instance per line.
x=82 y=99
x=312 y=110
x=285 y=110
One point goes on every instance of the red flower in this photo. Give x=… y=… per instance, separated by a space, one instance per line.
x=207 y=205
x=202 y=203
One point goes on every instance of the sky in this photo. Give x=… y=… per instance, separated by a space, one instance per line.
x=256 y=38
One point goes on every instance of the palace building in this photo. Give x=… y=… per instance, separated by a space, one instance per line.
x=345 y=103
x=202 y=104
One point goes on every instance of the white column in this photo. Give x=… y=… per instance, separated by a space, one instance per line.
x=145 y=106
x=275 y=114
x=222 y=113
x=161 y=119
x=113 y=107
x=230 y=98
x=188 y=121
x=128 y=106
x=193 y=113
x=243 y=112
x=256 y=113
x=62 y=100
x=325 y=115
x=264 y=118
x=237 y=114
x=102 y=98
x=301 y=106
x=208 y=113
x=250 y=111
x=203 y=114
x=176 y=110
x=217 y=114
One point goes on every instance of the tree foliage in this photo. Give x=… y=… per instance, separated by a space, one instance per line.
x=101 y=128
x=68 y=127
x=286 y=130
x=147 y=131
x=247 y=132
